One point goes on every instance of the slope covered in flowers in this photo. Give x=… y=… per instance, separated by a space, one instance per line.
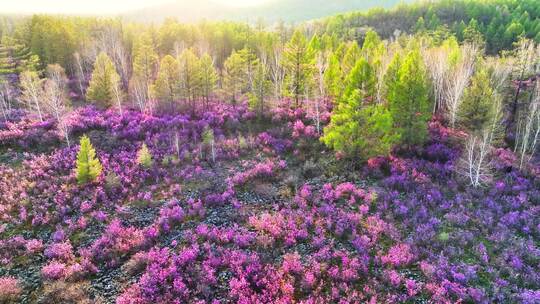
x=275 y=219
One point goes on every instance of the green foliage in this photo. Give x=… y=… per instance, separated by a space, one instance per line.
x=477 y=108
x=209 y=77
x=190 y=79
x=359 y=129
x=298 y=65
x=167 y=84
x=351 y=57
x=52 y=39
x=361 y=78
x=103 y=82
x=145 y=58
x=88 y=166
x=239 y=70
x=261 y=89
x=144 y=157
x=408 y=98
x=333 y=77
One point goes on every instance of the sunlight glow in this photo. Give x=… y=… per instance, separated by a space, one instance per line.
x=241 y=3
x=75 y=6
x=98 y=6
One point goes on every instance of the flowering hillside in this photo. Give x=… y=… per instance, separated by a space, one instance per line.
x=272 y=218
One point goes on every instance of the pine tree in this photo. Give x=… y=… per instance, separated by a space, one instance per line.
x=333 y=77
x=88 y=166
x=209 y=77
x=145 y=58
x=167 y=84
x=105 y=80
x=261 y=89
x=190 y=79
x=362 y=77
x=477 y=109
x=408 y=98
x=235 y=80
x=351 y=57
x=209 y=141
x=359 y=127
x=144 y=157
x=298 y=64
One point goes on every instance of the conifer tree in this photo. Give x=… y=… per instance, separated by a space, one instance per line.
x=88 y=165
x=261 y=89
x=167 y=84
x=144 y=157
x=477 y=109
x=145 y=58
x=298 y=64
x=350 y=58
x=333 y=77
x=408 y=98
x=104 y=83
x=361 y=77
x=359 y=127
x=190 y=80
x=235 y=80
x=209 y=77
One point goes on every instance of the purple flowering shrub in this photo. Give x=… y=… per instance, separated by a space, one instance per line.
x=401 y=229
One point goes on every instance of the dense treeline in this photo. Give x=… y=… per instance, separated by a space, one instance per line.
x=499 y=22
x=383 y=92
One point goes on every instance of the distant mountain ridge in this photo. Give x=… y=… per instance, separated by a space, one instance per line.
x=272 y=11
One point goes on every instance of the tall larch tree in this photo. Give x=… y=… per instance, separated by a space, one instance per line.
x=167 y=85
x=104 y=83
x=408 y=98
x=190 y=80
x=298 y=62
x=359 y=127
x=145 y=62
x=209 y=77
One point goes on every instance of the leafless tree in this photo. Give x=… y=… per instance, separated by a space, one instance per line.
x=475 y=164
x=528 y=129
x=276 y=70
x=32 y=93
x=438 y=69
x=139 y=94
x=321 y=66
x=80 y=72
x=5 y=98
x=526 y=64
x=459 y=79
x=57 y=103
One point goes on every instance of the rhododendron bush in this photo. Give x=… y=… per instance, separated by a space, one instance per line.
x=251 y=226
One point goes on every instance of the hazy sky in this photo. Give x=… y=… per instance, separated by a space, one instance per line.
x=93 y=6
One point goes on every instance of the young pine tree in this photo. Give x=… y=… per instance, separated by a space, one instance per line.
x=105 y=80
x=209 y=78
x=261 y=89
x=477 y=109
x=408 y=98
x=144 y=157
x=167 y=83
x=298 y=62
x=88 y=166
x=359 y=127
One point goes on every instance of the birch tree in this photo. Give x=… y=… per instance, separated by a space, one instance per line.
x=32 y=92
x=458 y=81
x=56 y=101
